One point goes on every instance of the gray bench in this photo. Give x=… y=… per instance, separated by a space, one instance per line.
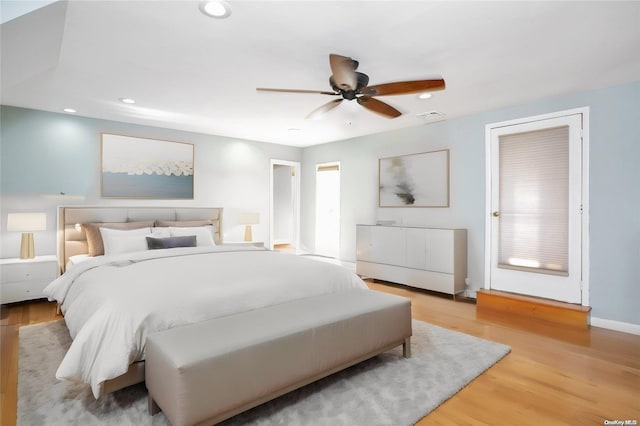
x=207 y=372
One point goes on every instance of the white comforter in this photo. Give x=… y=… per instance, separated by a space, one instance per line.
x=111 y=303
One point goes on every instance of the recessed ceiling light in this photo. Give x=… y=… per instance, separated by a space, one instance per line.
x=424 y=95
x=128 y=100
x=69 y=110
x=216 y=9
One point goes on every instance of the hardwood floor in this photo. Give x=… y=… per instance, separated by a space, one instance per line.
x=553 y=376
x=11 y=318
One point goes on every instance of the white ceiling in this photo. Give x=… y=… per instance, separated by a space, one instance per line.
x=190 y=72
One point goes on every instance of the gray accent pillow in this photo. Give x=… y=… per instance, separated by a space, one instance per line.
x=171 y=242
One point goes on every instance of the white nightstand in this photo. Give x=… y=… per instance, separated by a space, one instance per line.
x=24 y=279
x=244 y=243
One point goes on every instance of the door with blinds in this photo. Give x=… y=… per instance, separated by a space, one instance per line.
x=536 y=208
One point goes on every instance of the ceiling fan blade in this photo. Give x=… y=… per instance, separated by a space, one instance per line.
x=320 y=111
x=379 y=107
x=320 y=92
x=344 y=71
x=404 y=87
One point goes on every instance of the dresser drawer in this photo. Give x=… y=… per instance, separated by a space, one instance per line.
x=25 y=271
x=24 y=279
x=23 y=290
x=28 y=270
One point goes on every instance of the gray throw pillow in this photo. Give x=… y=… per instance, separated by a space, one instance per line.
x=171 y=242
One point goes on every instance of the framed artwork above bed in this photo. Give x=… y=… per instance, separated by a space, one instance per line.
x=146 y=168
x=416 y=180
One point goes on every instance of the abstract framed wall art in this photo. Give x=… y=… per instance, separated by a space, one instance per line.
x=146 y=168
x=416 y=180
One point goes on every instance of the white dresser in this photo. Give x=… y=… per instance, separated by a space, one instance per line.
x=428 y=258
x=24 y=279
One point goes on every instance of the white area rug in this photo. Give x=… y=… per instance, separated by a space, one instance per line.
x=385 y=390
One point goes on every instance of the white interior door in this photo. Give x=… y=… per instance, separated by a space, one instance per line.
x=536 y=208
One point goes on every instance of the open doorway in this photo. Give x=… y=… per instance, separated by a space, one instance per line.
x=328 y=210
x=285 y=205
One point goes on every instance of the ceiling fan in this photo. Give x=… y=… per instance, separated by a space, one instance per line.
x=350 y=84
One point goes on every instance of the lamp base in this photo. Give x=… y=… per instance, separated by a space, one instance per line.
x=27 y=250
x=247 y=233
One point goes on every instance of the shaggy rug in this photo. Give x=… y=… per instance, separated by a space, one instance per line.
x=385 y=390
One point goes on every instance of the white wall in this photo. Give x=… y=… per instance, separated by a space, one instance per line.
x=359 y=183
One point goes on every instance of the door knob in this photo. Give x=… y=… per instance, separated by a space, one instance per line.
x=496 y=214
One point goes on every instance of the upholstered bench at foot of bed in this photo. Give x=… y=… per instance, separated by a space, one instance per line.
x=207 y=372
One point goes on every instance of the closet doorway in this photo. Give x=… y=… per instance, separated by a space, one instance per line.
x=284 y=230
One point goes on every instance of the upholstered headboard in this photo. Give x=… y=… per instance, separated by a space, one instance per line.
x=73 y=241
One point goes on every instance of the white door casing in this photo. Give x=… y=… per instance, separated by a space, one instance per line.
x=571 y=287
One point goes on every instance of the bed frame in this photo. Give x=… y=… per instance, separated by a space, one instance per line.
x=73 y=241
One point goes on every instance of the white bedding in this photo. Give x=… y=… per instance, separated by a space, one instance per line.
x=111 y=303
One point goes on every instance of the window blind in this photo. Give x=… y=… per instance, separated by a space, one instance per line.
x=534 y=201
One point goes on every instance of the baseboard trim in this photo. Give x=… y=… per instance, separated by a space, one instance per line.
x=625 y=327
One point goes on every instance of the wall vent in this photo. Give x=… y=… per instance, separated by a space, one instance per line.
x=431 y=116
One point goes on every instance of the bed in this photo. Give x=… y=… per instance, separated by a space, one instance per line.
x=112 y=302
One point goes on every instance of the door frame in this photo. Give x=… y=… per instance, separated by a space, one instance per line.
x=584 y=111
x=296 y=204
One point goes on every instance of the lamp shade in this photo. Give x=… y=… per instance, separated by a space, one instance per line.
x=249 y=218
x=26 y=222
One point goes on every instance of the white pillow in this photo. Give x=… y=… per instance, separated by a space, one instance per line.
x=78 y=258
x=74 y=260
x=204 y=234
x=160 y=232
x=118 y=241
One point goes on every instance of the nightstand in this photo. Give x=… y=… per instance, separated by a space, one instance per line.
x=24 y=279
x=244 y=243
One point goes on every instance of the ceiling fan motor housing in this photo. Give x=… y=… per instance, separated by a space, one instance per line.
x=363 y=81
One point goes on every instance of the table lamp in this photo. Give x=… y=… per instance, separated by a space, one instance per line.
x=27 y=223
x=248 y=219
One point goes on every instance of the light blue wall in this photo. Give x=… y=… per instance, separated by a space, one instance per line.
x=44 y=153
x=614 y=188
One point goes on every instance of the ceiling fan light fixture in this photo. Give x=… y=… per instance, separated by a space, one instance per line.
x=425 y=95
x=215 y=9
